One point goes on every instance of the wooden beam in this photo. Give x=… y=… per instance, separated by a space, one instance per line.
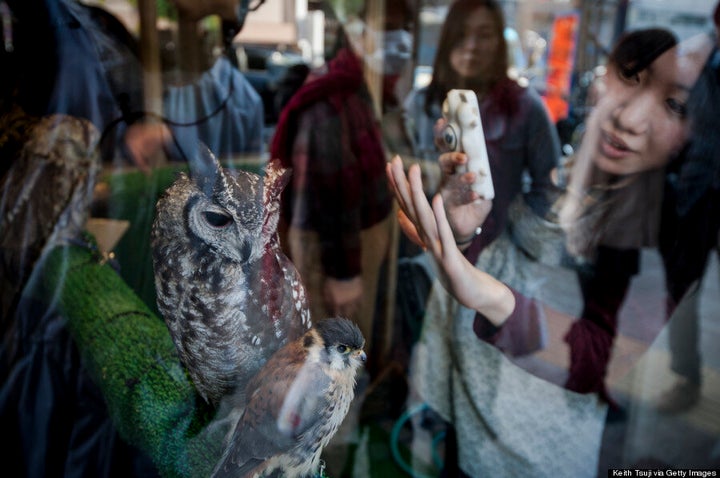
x=150 y=56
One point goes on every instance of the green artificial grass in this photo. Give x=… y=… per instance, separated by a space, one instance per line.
x=130 y=355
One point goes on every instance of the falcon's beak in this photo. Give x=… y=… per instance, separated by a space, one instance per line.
x=361 y=355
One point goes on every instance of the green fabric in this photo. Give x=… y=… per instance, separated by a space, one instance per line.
x=133 y=196
x=132 y=358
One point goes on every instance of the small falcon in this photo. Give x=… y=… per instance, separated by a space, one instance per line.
x=295 y=404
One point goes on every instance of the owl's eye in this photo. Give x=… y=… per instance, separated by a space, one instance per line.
x=342 y=349
x=450 y=138
x=217 y=219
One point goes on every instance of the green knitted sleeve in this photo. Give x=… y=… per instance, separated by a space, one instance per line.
x=130 y=355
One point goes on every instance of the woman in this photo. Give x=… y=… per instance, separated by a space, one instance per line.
x=473 y=54
x=336 y=209
x=637 y=125
x=521 y=141
x=690 y=230
x=612 y=208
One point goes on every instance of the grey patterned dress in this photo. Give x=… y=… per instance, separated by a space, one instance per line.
x=508 y=421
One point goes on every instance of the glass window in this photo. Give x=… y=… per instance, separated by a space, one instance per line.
x=359 y=238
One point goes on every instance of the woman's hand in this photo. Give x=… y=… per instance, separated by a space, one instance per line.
x=428 y=226
x=466 y=210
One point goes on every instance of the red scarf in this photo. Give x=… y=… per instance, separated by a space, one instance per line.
x=343 y=78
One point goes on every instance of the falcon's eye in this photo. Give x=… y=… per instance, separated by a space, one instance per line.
x=342 y=349
x=216 y=219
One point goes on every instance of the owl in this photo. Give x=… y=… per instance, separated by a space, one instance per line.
x=228 y=294
x=296 y=404
x=46 y=193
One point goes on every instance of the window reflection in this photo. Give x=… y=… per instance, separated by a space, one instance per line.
x=101 y=115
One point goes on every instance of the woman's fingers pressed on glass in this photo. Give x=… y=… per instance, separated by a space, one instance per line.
x=407 y=215
x=447 y=238
x=410 y=230
x=402 y=188
x=425 y=216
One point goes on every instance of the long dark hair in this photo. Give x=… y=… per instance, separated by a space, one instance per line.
x=697 y=168
x=453 y=31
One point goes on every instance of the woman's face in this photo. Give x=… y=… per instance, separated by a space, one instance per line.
x=642 y=118
x=474 y=54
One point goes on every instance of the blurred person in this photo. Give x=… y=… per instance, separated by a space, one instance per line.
x=206 y=98
x=613 y=203
x=337 y=205
x=522 y=142
x=522 y=145
x=82 y=62
x=389 y=49
x=336 y=211
x=391 y=58
x=508 y=421
x=689 y=229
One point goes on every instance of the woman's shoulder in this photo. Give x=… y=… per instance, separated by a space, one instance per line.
x=528 y=102
x=531 y=96
x=508 y=98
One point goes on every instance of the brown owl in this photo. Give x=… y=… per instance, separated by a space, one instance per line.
x=296 y=404
x=228 y=294
x=46 y=194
